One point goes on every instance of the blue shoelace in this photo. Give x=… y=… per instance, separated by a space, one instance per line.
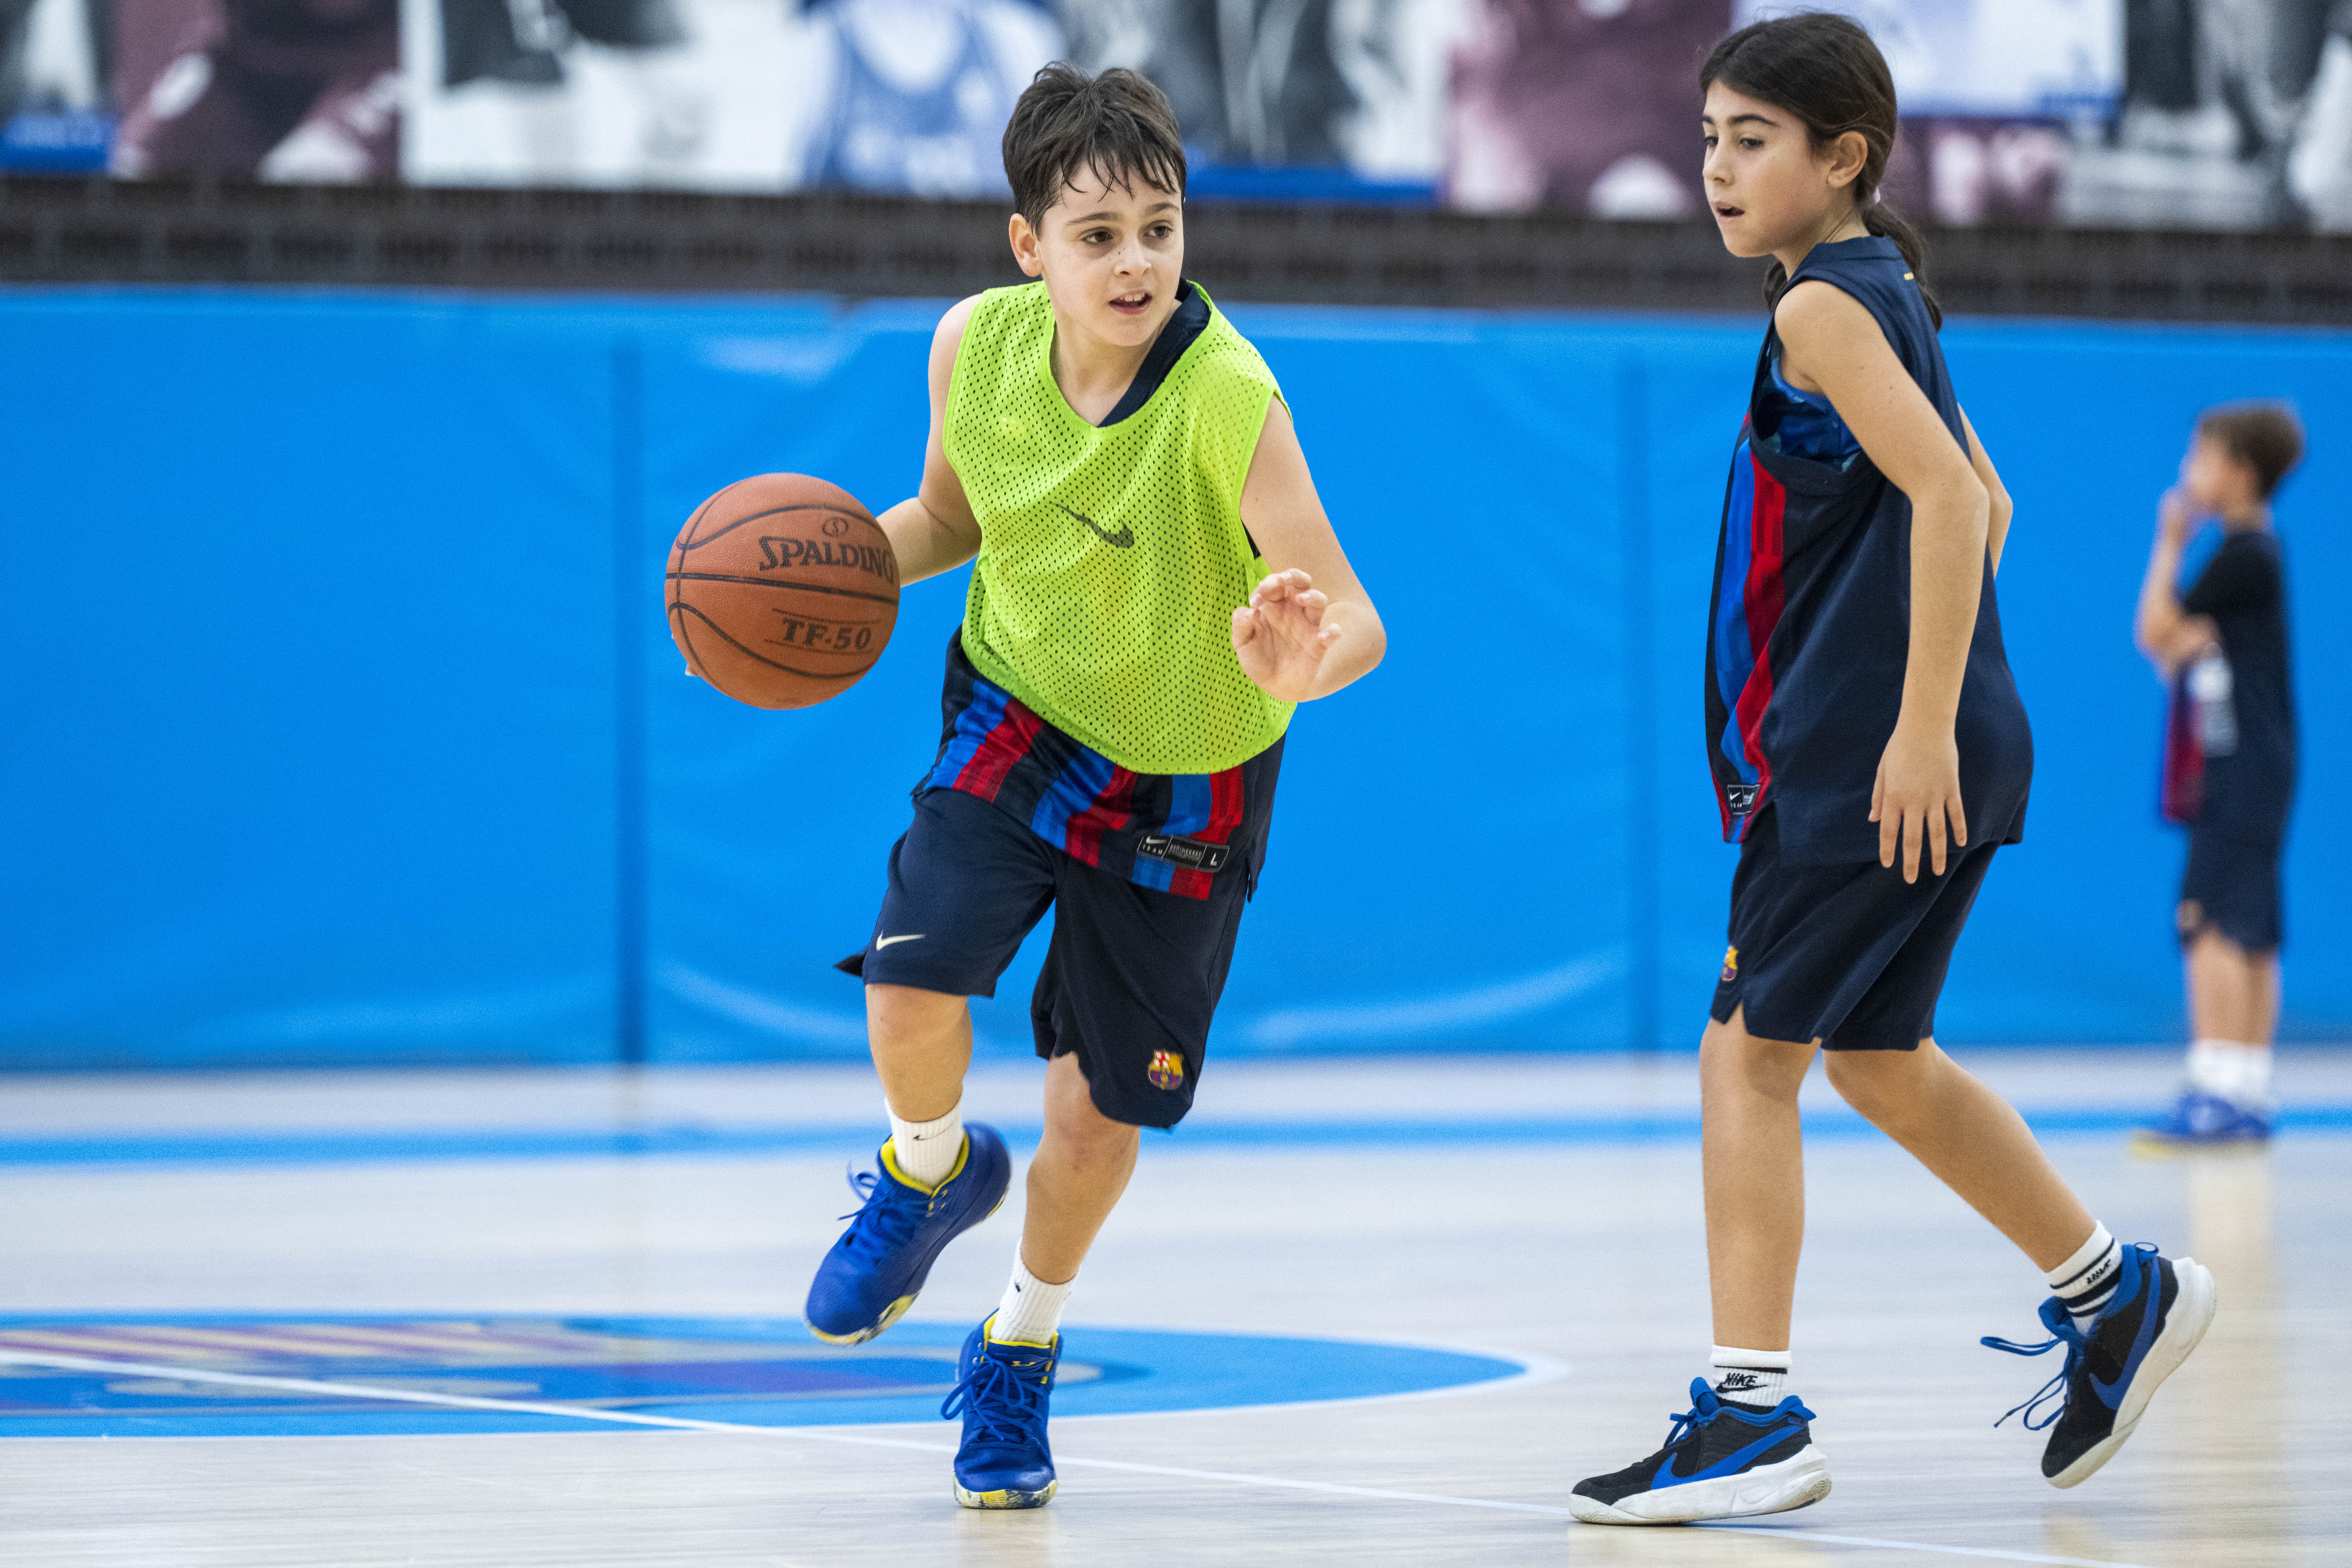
x=1002 y=1405
x=885 y=1222
x=1704 y=1404
x=2064 y=1332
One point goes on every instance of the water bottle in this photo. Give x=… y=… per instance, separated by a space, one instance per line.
x=2216 y=714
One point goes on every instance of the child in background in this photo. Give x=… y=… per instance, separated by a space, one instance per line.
x=2229 y=759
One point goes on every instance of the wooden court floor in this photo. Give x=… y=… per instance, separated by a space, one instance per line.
x=1566 y=1244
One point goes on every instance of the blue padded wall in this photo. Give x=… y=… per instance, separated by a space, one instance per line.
x=370 y=744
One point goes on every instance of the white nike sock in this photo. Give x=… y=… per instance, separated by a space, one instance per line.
x=2086 y=1280
x=925 y=1152
x=1750 y=1377
x=1031 y=1310
x=2232 y=1070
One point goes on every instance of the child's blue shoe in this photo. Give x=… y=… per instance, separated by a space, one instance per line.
x=877 y=1267
x=1721 y=1461
x=2158 y=1312
x=2202 y=1120
x=1002 y=1393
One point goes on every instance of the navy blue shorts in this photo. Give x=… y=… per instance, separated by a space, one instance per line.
x=1850 y=954
x=1133 y=977
x=2231 y=886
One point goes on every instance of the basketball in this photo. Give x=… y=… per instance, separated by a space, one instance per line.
x=781 y=591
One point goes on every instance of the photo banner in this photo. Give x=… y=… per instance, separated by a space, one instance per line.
x=2229 y=114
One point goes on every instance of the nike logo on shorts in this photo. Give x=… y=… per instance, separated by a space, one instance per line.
x=882 y=942
x=1124 y=538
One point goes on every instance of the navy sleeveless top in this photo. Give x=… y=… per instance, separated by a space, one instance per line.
x=1810 y=630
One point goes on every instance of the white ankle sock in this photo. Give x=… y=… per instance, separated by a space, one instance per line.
x=2086 y=1280
x=925 y=1152
x=2232 y=1070
x=1031 y=1310
x=1750 y=1377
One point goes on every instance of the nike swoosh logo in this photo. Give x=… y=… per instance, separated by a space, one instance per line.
x=2111 y=1394
x=1119 y=540
x=1728 y=1464
x=883 y=942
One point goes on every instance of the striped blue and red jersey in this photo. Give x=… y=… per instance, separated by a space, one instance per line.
x=1174 y=832
x=1809 y=632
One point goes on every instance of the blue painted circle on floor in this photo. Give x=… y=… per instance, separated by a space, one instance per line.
x=749 y=1370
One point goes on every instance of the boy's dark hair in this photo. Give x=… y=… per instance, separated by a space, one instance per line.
x=1825 y=71
x=1117 y=124
x=2263 y=434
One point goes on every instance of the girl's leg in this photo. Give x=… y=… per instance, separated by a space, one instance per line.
x=1974 y=1142
x=1754 y=1159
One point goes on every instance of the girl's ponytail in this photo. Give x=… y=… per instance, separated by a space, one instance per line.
x=1824 y=69
x=1882 y=219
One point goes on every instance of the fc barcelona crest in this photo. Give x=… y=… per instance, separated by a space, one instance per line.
x=1167 y=1070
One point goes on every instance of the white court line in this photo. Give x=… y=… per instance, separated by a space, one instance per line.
x=828 y=1435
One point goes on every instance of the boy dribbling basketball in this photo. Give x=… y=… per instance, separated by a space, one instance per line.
x=1155 y=587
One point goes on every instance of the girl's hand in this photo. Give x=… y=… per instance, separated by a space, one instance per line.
x=1280 y=637
x=1918 y=791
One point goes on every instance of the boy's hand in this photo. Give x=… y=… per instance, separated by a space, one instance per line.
x=2175 y=518
x=1280 y=637
x=1917 y=792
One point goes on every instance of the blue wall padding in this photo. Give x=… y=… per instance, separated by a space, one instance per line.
x=369 y=743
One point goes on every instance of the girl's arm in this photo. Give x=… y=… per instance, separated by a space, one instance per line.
x=933 y=531
x=2165 y=632
x=1997 y=524
x=1310 y=629
x=1832 y=346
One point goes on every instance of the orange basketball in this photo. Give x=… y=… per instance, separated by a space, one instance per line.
x=782 y=590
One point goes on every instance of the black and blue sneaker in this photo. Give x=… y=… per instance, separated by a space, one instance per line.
x=877 y=1267
x=1002 y=1394
x=1722 y=1460
x=2158 y=1312
x=2202 y=1120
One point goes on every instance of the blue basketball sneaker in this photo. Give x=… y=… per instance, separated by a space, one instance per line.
x=2158 y=1312
x=1721 y=1460
x=2202 y=1120
x=877 y=1267
x=1003 y=1460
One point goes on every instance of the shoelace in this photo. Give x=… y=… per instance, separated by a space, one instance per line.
x=1000 y=1403
x=1705 y=1405
x=881 y=1226
x=2062 y=1332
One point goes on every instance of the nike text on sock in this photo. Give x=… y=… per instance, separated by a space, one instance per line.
x=926 y=1151
x=1031 y=1310
x=1749 y=1377
x=2232 y=1070
x=2086 y=1280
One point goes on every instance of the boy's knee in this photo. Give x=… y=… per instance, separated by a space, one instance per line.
x=900 y=1012
x=1074 y=1125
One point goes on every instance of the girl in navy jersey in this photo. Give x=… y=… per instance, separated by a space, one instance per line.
x=1870 y=754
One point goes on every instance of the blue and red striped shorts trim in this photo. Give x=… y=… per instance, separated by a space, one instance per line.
x=1082 y=803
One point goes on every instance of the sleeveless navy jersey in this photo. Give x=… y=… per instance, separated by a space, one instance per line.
x=1810 y=629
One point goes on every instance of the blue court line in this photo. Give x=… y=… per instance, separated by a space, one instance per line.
x=687 y=1141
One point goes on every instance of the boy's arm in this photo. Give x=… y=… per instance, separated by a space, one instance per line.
x=1310 y=629
x=2168 y=635
x=1997 y=524
x=933 y=531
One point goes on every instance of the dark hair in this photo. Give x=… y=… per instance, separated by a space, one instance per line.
x=1825 y=71
x=1118 y=124
x=2265 y=436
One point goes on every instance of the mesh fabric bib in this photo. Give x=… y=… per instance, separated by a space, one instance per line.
x=1111 y=560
